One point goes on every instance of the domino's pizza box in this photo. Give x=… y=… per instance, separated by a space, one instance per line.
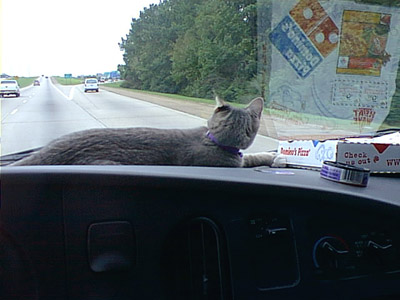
x=308 y=153
x=378 y=154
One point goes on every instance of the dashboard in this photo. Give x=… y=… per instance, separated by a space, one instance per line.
x=164 y=232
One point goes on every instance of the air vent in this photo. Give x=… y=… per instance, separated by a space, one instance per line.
x=198 y=268
x=207 y=260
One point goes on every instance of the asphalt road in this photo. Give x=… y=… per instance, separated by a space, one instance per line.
x=43 y=113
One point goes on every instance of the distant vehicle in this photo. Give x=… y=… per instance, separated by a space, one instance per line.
x=9 y=87
x=36 y=82
x=91 y=84
x=115 y=75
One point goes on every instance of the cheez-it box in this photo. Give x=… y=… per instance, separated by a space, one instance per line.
x=377 y=157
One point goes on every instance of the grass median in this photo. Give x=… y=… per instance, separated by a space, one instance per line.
x=117 y=84
x=25 y=81
x=68 y=81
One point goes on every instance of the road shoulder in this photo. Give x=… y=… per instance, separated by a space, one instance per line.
x=202 y=110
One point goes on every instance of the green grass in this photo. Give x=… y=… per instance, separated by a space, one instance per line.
x=116 y=84
x=173 y=96
x=307 y=118
x=25 y=81
x=67 y=81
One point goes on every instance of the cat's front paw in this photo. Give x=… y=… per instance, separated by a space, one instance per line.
x=279 y=161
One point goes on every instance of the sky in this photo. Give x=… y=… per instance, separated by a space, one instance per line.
x=57 y=37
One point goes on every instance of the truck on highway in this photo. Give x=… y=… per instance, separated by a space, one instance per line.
x=9 y=87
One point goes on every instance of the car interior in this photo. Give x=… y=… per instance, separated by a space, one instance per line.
x=167 y=232
x=119 y=232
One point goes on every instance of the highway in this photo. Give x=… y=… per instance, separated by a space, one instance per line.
x=43 y=113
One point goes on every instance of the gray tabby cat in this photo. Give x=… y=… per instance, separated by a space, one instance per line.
x=229 y=129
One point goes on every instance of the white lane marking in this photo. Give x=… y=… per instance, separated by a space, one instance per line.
x=71 y=94
x=13 y=112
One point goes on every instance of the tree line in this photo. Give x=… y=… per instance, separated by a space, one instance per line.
x=193 y=47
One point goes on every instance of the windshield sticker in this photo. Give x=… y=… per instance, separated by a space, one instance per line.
x=333 y=67
x=317 y=24
x=295 y=47
x=360 y=93
x=363 y=42
x=305 y=36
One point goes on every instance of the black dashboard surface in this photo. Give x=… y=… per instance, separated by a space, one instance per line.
x=149 y=232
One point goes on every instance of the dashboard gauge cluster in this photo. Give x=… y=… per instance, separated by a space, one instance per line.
x=365 y=254
x=278 y=266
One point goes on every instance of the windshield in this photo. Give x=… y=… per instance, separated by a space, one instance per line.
x=8 y=82
x=91 y=81
x=325 y=69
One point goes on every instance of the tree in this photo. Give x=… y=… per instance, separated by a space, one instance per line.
x=215 y=54
x=194 y=47
x=147 y=47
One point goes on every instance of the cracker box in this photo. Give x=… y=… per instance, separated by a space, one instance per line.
x=380 y=154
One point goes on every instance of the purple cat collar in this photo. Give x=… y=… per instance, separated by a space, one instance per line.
x=344 y=173
x=229 y=149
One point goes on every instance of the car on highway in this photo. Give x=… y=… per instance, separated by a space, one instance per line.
x=91 y=84
x=36 y=83
x=9 y=87
x=324 y=227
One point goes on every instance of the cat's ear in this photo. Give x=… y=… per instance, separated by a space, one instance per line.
x=256 y=106
x=219 y=102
